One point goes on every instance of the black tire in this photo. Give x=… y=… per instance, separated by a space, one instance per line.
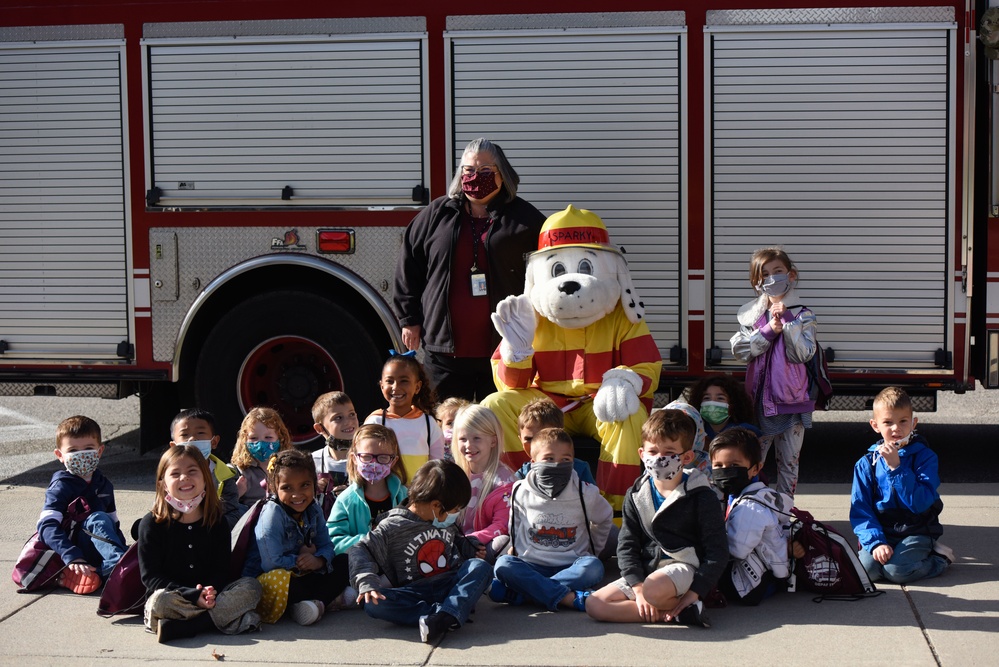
x=283 y=317
x=159 y=403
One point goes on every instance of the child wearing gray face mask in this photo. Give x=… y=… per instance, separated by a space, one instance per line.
x=558 y=525
x=776 y=339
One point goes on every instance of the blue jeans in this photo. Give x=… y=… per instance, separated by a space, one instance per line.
x=454 y=592
x=913 y=559
x=102 y=543
x=548 y=584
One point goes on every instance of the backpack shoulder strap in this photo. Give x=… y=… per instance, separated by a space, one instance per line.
x=513 y=520
x=586 y=518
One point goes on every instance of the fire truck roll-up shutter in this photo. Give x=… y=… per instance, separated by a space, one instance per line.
x=63 y=259
x=837 y=145
x=592 y=119
x=339 y=121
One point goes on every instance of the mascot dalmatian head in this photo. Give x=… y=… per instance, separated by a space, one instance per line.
x=577 y=277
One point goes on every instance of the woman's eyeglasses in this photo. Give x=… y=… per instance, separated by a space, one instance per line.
x=485 y=170
x=384 y=459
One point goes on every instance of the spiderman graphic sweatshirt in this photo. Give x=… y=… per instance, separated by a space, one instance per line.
x=404 y=549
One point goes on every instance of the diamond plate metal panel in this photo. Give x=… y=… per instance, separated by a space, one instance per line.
x=830 y=15
x=204 y=253
x=58 y=33
x=566 y=21
x=284 y=27
x=65 y=390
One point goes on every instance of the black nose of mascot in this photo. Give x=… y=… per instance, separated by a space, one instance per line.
x=569 y=287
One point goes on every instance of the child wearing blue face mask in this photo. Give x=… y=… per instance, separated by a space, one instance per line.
x=757 y=521
x=415 y=567
x=261 y=435
x=777 y=338
x=196 y=427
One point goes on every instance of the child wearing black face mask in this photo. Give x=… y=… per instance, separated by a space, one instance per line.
x=558 y=525
x=757 y=519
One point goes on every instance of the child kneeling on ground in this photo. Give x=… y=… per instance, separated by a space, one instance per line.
x=894 y=504
x=672 y=547
x=757 y=520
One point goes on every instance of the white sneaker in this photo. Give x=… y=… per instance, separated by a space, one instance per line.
x=944 y=552
x=307 y=612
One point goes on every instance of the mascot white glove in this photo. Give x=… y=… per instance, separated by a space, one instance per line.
x=617 y=398
x=515 y=321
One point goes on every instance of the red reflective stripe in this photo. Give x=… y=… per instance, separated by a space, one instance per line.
x=564 y=365
x=616 y=478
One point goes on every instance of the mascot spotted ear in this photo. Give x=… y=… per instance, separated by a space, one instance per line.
x=578 y=335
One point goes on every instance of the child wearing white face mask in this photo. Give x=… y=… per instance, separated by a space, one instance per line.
x=777 y=338
x=78 y=520
x=196 y=427
x=672 y=547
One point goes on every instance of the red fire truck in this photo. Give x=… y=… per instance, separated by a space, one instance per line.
x=203 y=202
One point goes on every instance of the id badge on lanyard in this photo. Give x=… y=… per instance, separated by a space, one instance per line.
x=478 y=283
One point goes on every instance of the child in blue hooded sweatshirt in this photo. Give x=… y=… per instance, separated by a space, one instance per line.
x=894 y=505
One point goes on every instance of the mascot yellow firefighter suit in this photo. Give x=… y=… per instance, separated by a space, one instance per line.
x=577 y=335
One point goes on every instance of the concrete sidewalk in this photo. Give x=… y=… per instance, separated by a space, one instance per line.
x=952 y=620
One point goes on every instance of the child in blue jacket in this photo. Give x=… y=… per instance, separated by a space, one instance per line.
x=894 y=504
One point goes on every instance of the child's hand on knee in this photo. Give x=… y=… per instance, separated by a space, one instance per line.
x=370 y=596
x=882 y=553
x=207 y=598
x=81 y=567
x=649 y=612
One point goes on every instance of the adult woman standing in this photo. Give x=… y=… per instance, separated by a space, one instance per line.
x=461 y=255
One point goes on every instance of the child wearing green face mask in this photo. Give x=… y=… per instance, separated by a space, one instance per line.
x=723 y=403
x=757 y=520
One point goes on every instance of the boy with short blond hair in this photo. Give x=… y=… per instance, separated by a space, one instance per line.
x=558 y=525
x=539 y=414
x=672 y=547
x=336 y=420
x=894 y=504
x=94 y=546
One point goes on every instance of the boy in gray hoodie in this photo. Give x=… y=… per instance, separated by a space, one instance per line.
x=558 y=525
x=434 y=575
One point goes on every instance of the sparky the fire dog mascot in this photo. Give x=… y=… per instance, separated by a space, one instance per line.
x=577 y=335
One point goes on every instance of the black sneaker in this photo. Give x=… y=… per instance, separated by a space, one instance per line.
x=435 y=626
x=694 y=615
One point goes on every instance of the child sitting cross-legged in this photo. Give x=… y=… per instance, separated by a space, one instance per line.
x=757 y=521
x=291 y=554
x=558 y=525
x=415 y=567
x=672 y=547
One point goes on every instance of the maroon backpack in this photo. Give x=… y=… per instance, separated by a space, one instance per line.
x=830 y=566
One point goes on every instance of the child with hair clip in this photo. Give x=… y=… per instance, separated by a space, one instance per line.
x=777 y=338
x=261 y=435
x=723 y=403
x=445 y=412
x=415 y=567
x=478 y=438
x=291 y=554
x=377 y=484
x=411 y=399
x=184 y=551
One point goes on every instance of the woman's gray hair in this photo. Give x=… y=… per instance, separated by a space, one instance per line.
x=510 y=178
